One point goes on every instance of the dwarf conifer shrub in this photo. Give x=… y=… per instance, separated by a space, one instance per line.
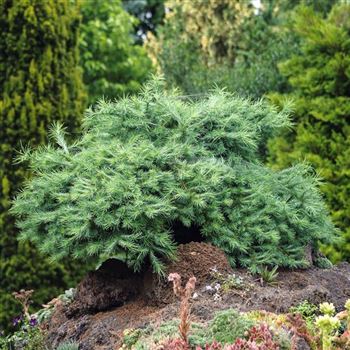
x=145 y=164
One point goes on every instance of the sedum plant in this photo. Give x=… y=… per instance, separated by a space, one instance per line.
x=347 y=307
x=327 y=309
x=327 y=325
x=149 y=164
x=334 y=329
x=307 y=311
x=228 y=325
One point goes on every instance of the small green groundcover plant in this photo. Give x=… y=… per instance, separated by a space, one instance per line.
x=146 y=164
x=68 y=346
x=27 y=331
x=27 y=336
x=307 y=310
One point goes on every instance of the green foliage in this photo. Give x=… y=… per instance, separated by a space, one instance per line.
x=240 y=53
x=68 y=346
x=45 y=313
x=307 y=310
x=268 y=276
x=320 y=83
x=154 y=335
x=113 y=64
x=322 y=262
x=207 y=44
x=27 y=337
x=147 y=163
x=228 y=281
x=40 y=81
x=165 y=330
x=131 y=336
x=275 y=331
x=227 y=43
x=229 y=325
x=263 y=43
x=150 y=14
x=225 y=327
x=232 y=282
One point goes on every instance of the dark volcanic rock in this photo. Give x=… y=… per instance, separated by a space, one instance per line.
x=301 y=344
x=110 y=286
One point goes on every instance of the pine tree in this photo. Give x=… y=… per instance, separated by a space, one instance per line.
x=320 y=81
x=151 y=166
x=40 y=82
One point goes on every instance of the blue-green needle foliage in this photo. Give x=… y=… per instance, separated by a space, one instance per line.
x=147 y=162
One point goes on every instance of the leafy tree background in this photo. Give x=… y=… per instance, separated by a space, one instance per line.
x=196 y=39
x=40 y=81
x=228 y=43
x=233 y=47
x=113 y=65
x=150 y=14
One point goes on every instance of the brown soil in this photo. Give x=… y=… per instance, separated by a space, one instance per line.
x=110 y=286
x=113 y=298
x=193 y=259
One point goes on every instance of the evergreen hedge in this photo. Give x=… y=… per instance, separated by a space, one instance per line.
x=40 y=81
x=320 y=80
x=147 y=164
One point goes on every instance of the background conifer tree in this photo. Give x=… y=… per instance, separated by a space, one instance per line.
x=40 y=82
x=196 y=38
x=320 y=81
x=228 y=43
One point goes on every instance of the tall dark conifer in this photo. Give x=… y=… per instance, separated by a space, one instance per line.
x=40 y=82
x=320 y=81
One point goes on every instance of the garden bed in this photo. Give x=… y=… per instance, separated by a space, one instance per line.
x=113 y=299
